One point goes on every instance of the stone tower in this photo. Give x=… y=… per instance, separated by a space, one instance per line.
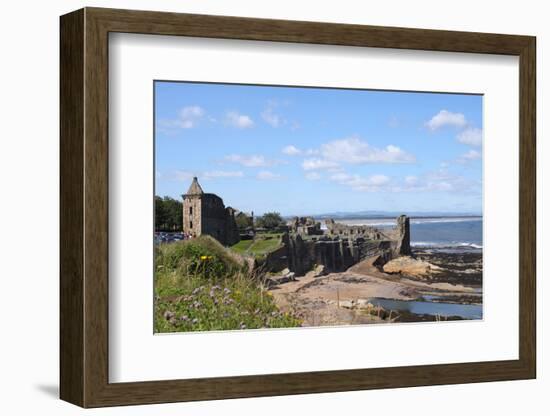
x=403 y=234
x=192 y=209
x=205 y=213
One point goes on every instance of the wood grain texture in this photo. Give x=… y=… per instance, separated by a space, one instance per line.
x=84 y=207
x=527 y=207
x=71 y=213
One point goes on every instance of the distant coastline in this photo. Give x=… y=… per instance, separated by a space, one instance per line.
x=390 y=215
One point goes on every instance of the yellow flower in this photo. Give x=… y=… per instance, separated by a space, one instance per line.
x=204 y=257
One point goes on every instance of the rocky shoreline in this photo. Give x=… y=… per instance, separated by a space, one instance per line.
x=465 y=267
x=428 y=286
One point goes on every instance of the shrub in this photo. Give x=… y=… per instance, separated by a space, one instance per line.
x=200 y=285
x=202 y=256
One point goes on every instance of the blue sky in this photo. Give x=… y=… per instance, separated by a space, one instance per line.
x=303 y=151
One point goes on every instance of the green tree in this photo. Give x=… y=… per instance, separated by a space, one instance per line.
x=161 y=216
x=174 y=209
x=168 y=214
x=243 y=221
x=270 y=220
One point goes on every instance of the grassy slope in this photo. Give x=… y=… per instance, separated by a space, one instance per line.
x=242 y=246
x=261 y=245
x=200 y=285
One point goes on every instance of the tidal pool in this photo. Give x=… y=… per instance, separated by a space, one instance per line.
x=430 y=308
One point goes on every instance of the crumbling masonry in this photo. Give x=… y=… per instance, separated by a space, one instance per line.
x=206 y=214
x=340 y=247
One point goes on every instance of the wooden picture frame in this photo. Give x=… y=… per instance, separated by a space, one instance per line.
x=84 y=207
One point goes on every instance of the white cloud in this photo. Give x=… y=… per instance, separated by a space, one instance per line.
x=440 y=180
x=184 y=176
x=371 y=183
x=291 y=150
x=435 y=181
x=471 y=136
x=187 y=118
x=355 y=151
x=378 y=180
x=222 y=174
x=446 y=118
x=313 y=176
x=469 y=156
x=190 y=115
x=266 y=175
x=316 y=163
x=251 y=161
x=272 y=118
x=241 y=121
x=472 y=155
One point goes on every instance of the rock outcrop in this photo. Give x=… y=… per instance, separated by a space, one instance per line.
x=408 y=266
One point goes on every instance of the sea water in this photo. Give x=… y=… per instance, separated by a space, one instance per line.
x=430 y=308
x=437 y=234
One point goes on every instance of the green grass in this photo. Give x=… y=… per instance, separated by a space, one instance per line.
x=202 y=286
x=242 y=246
x=261 y=244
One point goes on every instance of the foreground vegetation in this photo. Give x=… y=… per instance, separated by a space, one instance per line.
x=201 y=286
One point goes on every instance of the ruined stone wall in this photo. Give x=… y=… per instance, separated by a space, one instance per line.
x=353 y=231
x=277 y=260
x=301 y=255
x=305 y=226
x=401 y=236
x=232 y=235
x=342 y=247
x=213 y=217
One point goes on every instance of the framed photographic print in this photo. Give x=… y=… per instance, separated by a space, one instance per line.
x=255 y=207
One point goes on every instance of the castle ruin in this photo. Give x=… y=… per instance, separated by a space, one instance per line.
x=205 y=213
x=399 y=236
x=340 y=247
x=304 y=243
